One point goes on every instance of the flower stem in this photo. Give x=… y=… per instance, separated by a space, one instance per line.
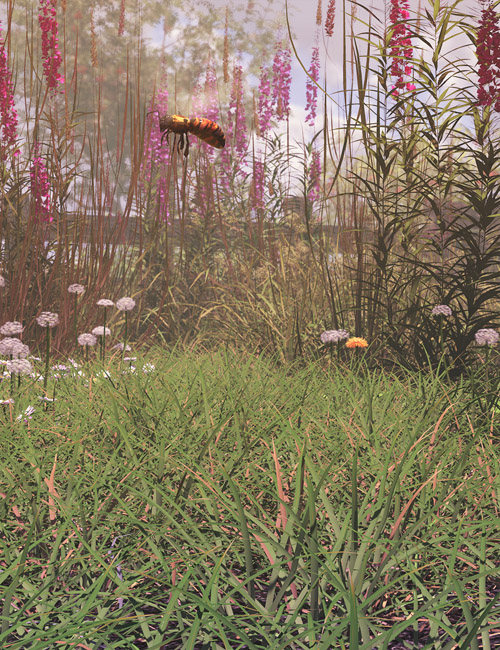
x=47 y=360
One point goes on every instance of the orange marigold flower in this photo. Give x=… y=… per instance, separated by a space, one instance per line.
x=356 y=342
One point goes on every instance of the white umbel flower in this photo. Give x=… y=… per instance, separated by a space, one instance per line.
x=19 y=366
x=76 y=288
x=47 y=319
x=87 y=339
x=101 y=331
x=11 y=328
x=486 y=336
x=125 y=304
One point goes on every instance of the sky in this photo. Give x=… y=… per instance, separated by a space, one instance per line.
x=302 y=20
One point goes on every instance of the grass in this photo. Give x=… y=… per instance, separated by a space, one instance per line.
x=222 y=500
x=239 y=485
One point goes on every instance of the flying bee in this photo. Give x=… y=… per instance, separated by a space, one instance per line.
x=203 y=128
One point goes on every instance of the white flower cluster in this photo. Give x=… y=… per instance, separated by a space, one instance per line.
x=87 y=339
x=125 y=304
x=11 y=347
x=11 y=328
x=334 y=336
x=441 y=310
x=486 y=336
x=47 y=319
x=76 y=288
x=101 y=331
x=19 y=366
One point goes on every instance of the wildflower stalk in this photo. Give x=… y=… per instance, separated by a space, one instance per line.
x=48 y=320
x=103 y=338
x=47 y=358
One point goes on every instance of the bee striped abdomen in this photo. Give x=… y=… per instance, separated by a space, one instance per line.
x=208 y=131
x=203 y=128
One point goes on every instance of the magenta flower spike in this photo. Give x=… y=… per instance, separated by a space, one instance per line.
x=314 y=175
x=311 y=87
x=51 y=55
x=330 y=18
x=155 y=161
x=40 y=189
x=282 y=79
x=401 y=50
x=265 y=105
x=488 y=58
x=8 y=113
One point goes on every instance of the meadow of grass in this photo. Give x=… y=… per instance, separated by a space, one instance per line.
x=301 y=448
x=222 y=500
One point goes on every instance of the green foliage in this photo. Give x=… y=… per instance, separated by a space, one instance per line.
x=223 y=500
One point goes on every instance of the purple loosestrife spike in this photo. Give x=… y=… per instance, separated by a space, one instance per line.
x=121 y=24
x=315 y=175
x=93 y=40
x=441 y=310
x=51 y=55
x=330 y=18
x=40 y=189
x=265 y=106
x=237 y=111
x=486 y=336
x=211 y=93
x=488 y=58
x=225 y=59
x=401 y=50
x=282 y=65
x=311 y=87
x=235 y=131
x=155 y=161
x=8 y=113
